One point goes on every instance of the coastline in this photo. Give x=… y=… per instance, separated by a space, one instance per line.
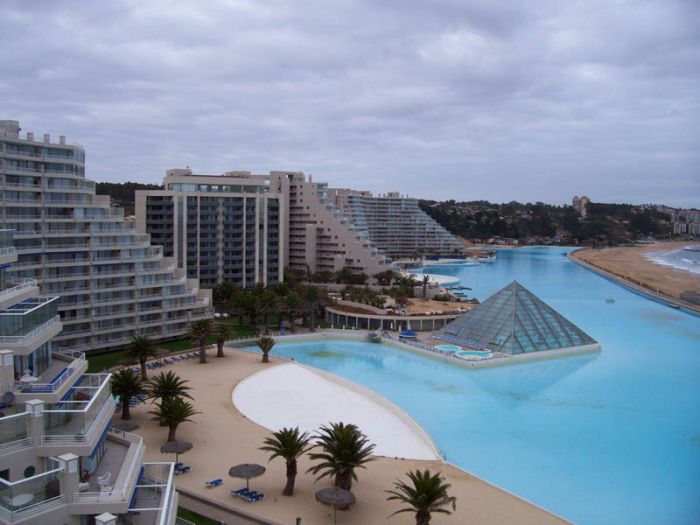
x=630 y=267
x=215 y=451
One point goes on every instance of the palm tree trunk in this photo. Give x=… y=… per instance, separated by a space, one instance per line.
x=291 y=478
x=171 y=432
x=422 y=517
x=126 y=414
x=202 y=353
x=220 y=350
x=312 y=314
x=343 y=480
x=144 y=372
x=265 y=358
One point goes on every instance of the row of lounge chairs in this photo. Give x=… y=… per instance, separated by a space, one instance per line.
x=250 y=496
x=169 y=361
x=181 y=468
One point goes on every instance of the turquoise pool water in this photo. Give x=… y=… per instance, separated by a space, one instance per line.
x=605 y=438
x=449 y=348
x=473 y=353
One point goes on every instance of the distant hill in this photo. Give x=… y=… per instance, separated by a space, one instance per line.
x=604 y=224
x=122 y=193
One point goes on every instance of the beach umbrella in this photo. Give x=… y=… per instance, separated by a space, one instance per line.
x=337 y=498
x=177 y=448
x=247 y=471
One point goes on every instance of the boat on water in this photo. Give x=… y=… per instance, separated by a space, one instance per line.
x=610 y=299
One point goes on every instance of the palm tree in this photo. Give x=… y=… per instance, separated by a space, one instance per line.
x=314 y=298
x=426 y=282
x=426 y=494
x=171 y=413
x=222 y=333
x=125 y=385
x=265 y=344
x=200 y=332
x=288 y=444
x=166 y=386
x=345 y=449
x=142 y=349
x=267 y=303
x=292 y=305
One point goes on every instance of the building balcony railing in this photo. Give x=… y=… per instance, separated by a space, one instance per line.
x=77 y=363
x=25 y=339
x=15 y=433
x=26 y=497
x=16 y=286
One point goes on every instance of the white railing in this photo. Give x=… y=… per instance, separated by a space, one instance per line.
x=47 y=388
x=20 y=284
x=67 y=439
x=8 y=250
x=20 y=339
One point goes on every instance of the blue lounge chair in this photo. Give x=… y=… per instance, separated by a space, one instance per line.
x=183 y=469
x=214 y=483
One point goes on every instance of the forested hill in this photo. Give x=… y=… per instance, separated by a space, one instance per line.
x=605 y=223
x=122 y=193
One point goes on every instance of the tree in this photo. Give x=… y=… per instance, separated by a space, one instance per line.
x=288 y=444
x=171 y=413
x=222 y=333
x=166 y=386
x=265 y=344
x=126 y=385
x=142 y=349
x=344 y=449
x=426 y=494
x=267 y=304
x=200 y=332
x=385 y=278
x=292 y=305
x=314 y=297
x=426 y=282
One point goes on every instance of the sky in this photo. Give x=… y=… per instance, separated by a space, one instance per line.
x=442 y=99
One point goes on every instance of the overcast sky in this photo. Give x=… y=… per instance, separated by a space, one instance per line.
x=464 y=99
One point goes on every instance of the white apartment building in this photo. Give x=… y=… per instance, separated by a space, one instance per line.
x=60 y=461
x=111 y=282
x=320 y=237
x=395 y=224
x=217 y=228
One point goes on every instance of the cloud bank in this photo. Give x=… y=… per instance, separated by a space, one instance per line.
x=464 y=99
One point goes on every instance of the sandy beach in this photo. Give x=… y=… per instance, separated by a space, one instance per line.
x=631 y=264
x=223 y=437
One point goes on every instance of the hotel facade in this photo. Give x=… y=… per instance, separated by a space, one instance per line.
x=217 y=228
x=60 y=460
x=112 y=283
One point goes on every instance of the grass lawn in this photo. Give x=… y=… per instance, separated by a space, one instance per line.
x=195 y=518
x=99 y=362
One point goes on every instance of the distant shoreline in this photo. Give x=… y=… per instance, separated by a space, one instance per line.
x=629 y=267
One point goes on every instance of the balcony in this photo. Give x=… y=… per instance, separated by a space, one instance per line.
x=155 y=500
x=17 y=290
x=30 y=496
x=27 y=343
x=15 y=433
x=121 y=462
x=56 y=380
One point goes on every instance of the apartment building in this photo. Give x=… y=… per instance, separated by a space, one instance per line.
x=111 y=282
x=60 y=460
x=217 y=228
x=395 y=224
x=320 y=237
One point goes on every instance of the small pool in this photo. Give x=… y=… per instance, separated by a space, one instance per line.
x=473 y=354
x=448 y=348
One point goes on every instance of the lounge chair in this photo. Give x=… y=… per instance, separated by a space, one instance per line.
x=250 y=496
x=214 y=483
x=183 y=469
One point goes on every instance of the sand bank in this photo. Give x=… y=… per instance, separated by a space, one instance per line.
x=223 y=437
x=632 y=265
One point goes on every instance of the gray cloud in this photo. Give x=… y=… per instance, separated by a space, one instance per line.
x=445 y=99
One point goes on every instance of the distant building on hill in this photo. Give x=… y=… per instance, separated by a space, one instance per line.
x=685 y=221
x=580 y=204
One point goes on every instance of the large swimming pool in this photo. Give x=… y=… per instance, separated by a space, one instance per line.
x=606 y=438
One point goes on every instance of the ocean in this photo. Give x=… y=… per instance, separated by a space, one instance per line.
x=686 y=259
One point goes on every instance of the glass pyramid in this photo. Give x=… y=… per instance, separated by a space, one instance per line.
x=514 y=321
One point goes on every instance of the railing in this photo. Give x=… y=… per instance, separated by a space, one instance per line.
x=18 y=435
x=20 y=339
x=20 y=284
x=47 y=388
x=71 y=439
x=37 y=488
x=8 y=250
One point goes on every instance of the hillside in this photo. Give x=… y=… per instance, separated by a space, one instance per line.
x=122 y=193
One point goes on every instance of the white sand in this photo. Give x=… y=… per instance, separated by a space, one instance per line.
x=292 y=395
x=435 y=278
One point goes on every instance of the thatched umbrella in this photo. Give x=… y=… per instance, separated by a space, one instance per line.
x=176 y=447
x=336 y=497
x=247 y=471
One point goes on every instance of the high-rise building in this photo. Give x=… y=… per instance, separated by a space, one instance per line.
x=217 y=228
x=320 y=237
x=112 y=283
x=60 y=461
x=395 y=224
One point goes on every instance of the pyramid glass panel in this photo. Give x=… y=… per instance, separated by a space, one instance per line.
x=514 y=321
